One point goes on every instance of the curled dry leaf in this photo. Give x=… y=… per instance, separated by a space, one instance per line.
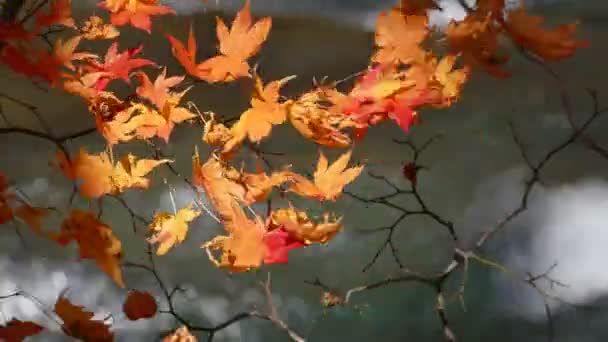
x=314 y=116
x=304 y=229
x=329 y=181
x=95 y=29
x=95 y=240
x=138 y=305
x=16 y=330
x=122 y=122
x=171 y=229
x=217 y=134
x=236 y=45
x=99 y=177
x=180 y=335
x=553 y=45
x=79 y=323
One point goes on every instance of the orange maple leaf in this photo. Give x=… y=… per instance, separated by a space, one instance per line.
x=120 y=121
x=553 y=45
x=135 y=12
x=256 y=122
x=78 y=323
x=170 y=230
x=95 y=240
x=16 y=330
x=138 y=305
x=186 y=55
x=225 y=185
x=329 y=181
x=476 y=37
x=99 y=176
x=236 y=45
x=244 y=248
x=165 y=101
x=398 y=37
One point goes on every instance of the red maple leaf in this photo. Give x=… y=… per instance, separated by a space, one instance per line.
x=278 y=243
x=117 y=65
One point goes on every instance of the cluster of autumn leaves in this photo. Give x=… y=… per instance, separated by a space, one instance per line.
x=403 y=77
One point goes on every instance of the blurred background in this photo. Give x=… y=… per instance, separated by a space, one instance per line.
x=475 y=175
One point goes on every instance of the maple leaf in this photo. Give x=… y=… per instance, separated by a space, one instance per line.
x=171 y=229
x=329 y=181
x=96 y=241
x=278 y=243
x=302 y=228
x=165 y=101
x=244 y=248
x=553 y=45
x=256 y=122
x=39 y=63
x=476 y=38
x=138 y=305
x=314 y=116
x=94 y=28
x=78 y=323
x=225 y=186
x=100 y=177
x=121 y=121
x=221 y=192
x=180 y=335
x=16 y=330
x=60 y=14
x=134 y=12
x=186 y=56
x=118 y=65
x=398 y=37
x=236 y=45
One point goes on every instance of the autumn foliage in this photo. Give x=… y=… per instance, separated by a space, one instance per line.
x=403 y=79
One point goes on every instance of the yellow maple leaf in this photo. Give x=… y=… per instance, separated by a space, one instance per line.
x=329 y=181
x=170 y=229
